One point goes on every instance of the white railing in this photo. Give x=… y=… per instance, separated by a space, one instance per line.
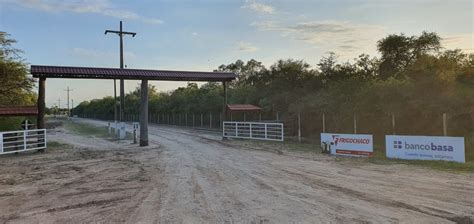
x=19 y=141
x=253 y=130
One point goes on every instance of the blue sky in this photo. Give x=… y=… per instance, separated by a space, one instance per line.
x=203 y=34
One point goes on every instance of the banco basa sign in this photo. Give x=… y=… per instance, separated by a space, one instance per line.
x=425 y=147
x=347 y=144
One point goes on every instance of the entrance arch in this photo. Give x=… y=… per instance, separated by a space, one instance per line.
x=45 y=71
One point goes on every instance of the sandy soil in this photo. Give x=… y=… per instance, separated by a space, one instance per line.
x=189 y=176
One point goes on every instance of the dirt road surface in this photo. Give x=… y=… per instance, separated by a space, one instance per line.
x=190 y=176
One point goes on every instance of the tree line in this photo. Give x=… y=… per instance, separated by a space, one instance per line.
x=414 y=78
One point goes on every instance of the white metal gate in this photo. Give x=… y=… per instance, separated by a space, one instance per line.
x=253 y=130
x=19 y=141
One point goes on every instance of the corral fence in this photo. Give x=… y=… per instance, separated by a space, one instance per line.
x=253 y=130
x=20 y=141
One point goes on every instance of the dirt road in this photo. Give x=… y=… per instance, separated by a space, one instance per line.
x=187 y=176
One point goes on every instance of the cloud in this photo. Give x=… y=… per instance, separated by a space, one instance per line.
x=258 y=7
x=101 y=7
x=194 y=33
x=246 y=47
x=339 y=36
x=459 y=41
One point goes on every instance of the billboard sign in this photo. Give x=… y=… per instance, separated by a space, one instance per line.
x=347 y=144
x=425 y=147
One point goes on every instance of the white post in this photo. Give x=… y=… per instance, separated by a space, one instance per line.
x=324 y=123
x=24 y=140
x=299 y=127
x=236 y=129
x=355 y=125
x=282 y=132
x=1 y=142
x=251 y=135
x=445 y=125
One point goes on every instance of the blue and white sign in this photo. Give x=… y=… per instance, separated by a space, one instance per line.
x=425 y=148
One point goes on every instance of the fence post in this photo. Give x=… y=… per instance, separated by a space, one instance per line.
x=194 y=120
x=299 y=126
x=24 y=140
x=202 y=120
x=324 y=123
x=245 y=117
x=445 y=125
x=266 y=130
x=355 y=124
x=210 y=120
x=251 y=134
x=220 y=120
x=186 y=117
x=1 y=142
x=278 y=116
x=237 y=132
x=259 y=116
x=393 y=124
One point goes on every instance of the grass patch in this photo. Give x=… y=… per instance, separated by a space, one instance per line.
x=87 y=130
x=380 y=158
x=53 y=144
x=92 y=131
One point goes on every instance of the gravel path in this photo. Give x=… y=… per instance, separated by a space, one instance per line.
x=190 y=176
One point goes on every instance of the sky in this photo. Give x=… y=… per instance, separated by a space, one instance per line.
x=200 y=35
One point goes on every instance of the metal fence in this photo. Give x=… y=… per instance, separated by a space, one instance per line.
x=253 y=130
x=19 y=141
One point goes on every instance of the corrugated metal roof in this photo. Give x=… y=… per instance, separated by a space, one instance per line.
x=137 y=74
x=18 y=110
x=243 y=107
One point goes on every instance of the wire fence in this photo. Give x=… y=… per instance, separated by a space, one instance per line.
x=307 y=126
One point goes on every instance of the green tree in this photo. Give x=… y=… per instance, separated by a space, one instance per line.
x=400 y=51
x=16 y=87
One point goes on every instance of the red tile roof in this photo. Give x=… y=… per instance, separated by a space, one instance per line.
x=18 y=110
x=137 y=74
x=243 y=107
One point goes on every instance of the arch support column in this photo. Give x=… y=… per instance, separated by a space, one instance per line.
x=41 y=103
x=144 y=113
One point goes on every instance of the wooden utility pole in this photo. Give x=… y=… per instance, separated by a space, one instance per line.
x=121 y=33
x=68 y=111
